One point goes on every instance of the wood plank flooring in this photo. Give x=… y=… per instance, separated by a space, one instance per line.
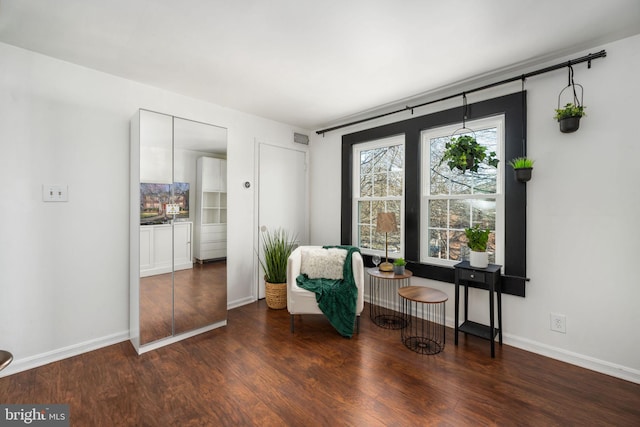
x=256 y=372
x=197 y=296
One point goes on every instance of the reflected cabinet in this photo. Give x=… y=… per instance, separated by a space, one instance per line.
x=171 y=297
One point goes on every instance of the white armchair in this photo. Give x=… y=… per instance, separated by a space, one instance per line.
x=301 y=301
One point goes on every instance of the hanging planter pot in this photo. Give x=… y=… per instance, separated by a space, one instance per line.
x=569 y=116
x=522 y=168
x=464 y=152
x=523 y=175
x=569 y=124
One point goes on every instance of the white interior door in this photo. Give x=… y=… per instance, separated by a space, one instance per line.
x=282 y=195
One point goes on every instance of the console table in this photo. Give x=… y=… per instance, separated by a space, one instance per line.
x=484 y=278
x=384 y=293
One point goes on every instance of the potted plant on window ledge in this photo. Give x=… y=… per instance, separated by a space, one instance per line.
x=465 y=153
x=522 y=168
x=477 y=242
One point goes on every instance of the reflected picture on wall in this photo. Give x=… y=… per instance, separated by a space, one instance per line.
x=155 y=197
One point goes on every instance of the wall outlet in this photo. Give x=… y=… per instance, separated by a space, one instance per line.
x=55 y=193
x=559 y=323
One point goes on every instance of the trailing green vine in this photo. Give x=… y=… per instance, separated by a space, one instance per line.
x=465 y=153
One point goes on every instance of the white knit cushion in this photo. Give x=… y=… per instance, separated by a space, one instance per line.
x=320 y=263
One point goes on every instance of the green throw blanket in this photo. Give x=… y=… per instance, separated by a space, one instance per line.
x=336 y=298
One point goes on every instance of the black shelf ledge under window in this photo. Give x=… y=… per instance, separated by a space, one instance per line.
x=511 y=285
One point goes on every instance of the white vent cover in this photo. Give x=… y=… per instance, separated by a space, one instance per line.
x=301 y=138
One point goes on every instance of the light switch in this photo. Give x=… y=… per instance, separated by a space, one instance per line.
x=55 y=193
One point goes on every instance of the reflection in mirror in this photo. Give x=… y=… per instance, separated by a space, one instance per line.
x=156 y=289
x=200 y=293
x=173 y=294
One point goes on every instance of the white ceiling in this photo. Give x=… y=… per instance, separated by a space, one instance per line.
x=310 y=63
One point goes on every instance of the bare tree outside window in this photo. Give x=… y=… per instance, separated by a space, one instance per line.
x=381 y=189
x=455 y=200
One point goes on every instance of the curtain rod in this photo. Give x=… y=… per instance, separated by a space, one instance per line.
x=587 y=58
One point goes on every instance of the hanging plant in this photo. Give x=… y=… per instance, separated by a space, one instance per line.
x=522 y=168
x=569 y=116
x=465 y=153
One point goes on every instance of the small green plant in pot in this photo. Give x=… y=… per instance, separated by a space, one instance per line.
x=465 y=153
x=276 y=248
x=477 y=240
x=399 y=265
x=522 y=167
x=569 y=117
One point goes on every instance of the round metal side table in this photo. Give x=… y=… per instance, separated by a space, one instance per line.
x=384 y=309
x=423 y=310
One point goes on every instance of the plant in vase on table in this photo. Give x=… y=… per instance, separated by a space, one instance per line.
x=477 y=242
x=398 y=266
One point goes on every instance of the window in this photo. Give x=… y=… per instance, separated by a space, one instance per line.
x=507 y=208
x=379 y=175
x=452 y=200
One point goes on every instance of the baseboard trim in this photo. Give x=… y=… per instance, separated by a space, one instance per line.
x=26 y=363
x=577 y=359
x=587 y=362
x=240 y=302
x=171 y=340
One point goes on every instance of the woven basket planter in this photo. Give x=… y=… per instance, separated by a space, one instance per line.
x=276 y=295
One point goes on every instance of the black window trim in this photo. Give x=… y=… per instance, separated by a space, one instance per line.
x=513 y=107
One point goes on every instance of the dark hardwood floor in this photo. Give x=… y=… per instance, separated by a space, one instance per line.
x=197 y=296
x=255 y=372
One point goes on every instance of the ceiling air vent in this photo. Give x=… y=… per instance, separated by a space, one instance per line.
x=301 y=138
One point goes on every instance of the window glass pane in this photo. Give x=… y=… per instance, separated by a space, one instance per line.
x=439 y=173
x=395 y=183
x=381 y=178
x=380 y=162
x=366 y=162
x=447 y=213
x=438 y=243
x=437 y=214
x=456 y=242
x=366 y=186
x=364 y=236
x=364 y=212
x=459 y=214
x=380 y=186
x=484 y=213
x=462 y=183
x=394 y=206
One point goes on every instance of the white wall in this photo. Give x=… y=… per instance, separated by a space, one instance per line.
x=64 y=283
x=583 y=205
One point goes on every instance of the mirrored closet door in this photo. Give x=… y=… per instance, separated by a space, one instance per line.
x=178 y=229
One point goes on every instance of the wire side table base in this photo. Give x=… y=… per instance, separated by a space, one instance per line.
x=423 y=310
x=384 y=308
